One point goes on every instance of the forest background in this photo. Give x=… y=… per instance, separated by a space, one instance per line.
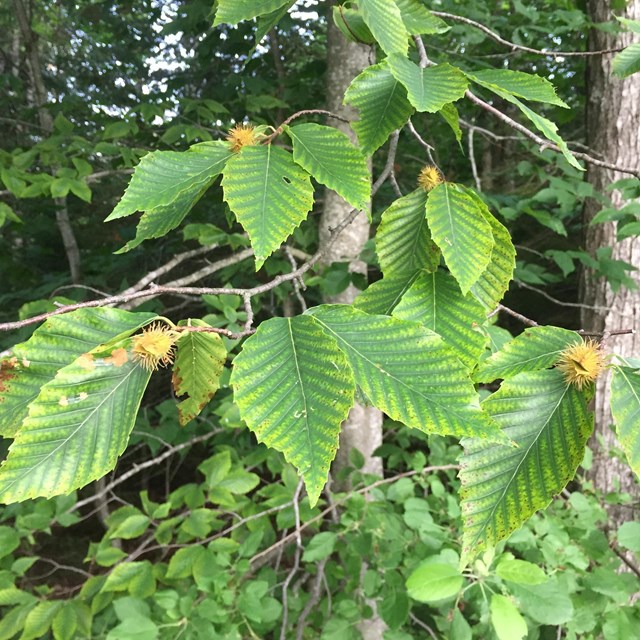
x=202 y=533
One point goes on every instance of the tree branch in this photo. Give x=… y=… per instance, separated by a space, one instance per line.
x=543 y=142
x=518 y=47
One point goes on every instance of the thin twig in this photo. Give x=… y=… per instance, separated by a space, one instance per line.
x=296 y=561
x=472 y=160
x=313 y=600
x=64 y=567
x=427 y=147
x=518 y=47
x=175 y=287
x=423 y=625
x=614 y=547
x=152 y=276
x=562 y=303
x=388 y=167
x=298 y=114
x=365 y=489
x=518 y=316
x=543 y=142
x=137 y=468
x=422 y=52
x=298 y=284
x=206 y=271
x=85 y=287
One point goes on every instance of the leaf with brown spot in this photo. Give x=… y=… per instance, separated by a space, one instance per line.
x=54 y=345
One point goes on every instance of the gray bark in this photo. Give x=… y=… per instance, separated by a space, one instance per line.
x=363 y=428
x=613 y=125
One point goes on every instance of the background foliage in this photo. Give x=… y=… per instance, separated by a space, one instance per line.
x=199 y=532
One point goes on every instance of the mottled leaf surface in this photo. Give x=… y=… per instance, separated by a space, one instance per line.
x=294 y=387
x=54 y=345
x=382 y=104
x=503 y=485
x=407 y=371
x=77 y=427
x=270 y=195
x=199 y=363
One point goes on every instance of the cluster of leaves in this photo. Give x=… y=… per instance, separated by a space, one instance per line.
x=203 y=574
x=413 y=344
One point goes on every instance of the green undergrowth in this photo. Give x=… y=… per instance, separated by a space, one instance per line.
x=211 y=549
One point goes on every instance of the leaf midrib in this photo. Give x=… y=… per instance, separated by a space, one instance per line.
x=523 y=458
x=67 y=439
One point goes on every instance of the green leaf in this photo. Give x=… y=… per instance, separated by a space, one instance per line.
x=182 y=562
x=320 y=546
x=158 y=222
x=131 y=527
x=77 y=426
x=13 y=621
x=270 y=195
x=506 y=619
x=382 y=104
x=294 y=388
x=625 y=407
x=9 y=541
x=381 y=297
x=40 y=618
x=450 y=115
x=520 y=572
x=632 y=25
x=332 y=159
x=81 y=189
x=433 y=582
x=57 y=343
x=407 y=371
x=418 y=20
x=403 y=241
x=435 y=300
x=547 y=603
x=60 y=187
x=537 y=348
x=7 y=213
x=385 y=23
x=351 y=23
x=431 y=88
x=12 y=595
x=122 y=575
x=197 y=370
x=268 y=21
x=108 y=556
x=494 y=281
x=503 y=485
x=459 y=227
x=629 y=536
x=523 y=85
x=234 y=11
x=627 y=62
x=545 y=126
x=460 y=628
x=163 y=177
x=65 y=623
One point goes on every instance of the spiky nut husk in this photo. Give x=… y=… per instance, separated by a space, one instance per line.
x=429 y=178
x=581 y=363
x=242 y=135
x=155 y=346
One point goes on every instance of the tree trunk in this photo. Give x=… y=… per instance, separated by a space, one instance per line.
x=613 y=125
x=362 y=430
